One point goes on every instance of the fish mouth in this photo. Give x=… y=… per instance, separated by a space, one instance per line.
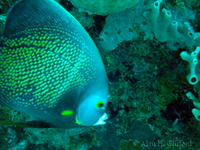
x=102 y=120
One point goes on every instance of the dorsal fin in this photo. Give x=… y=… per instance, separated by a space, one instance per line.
x=27 y=14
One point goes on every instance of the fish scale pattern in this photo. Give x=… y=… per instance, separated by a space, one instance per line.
x=42 y=65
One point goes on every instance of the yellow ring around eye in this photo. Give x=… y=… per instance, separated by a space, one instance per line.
x=99 y=104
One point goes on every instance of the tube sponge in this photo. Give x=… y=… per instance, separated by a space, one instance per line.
x=194 y=76
x=196 y=102
x=146 y=21
x=166 y=28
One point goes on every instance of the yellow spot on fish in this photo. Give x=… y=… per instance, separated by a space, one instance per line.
x=67 y=112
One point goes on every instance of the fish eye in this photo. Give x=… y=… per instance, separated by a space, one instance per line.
x=99 y=104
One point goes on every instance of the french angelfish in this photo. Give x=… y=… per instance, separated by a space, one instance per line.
x=50 y=68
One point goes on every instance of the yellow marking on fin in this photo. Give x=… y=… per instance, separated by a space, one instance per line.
x=67 y=112
x=78 y=122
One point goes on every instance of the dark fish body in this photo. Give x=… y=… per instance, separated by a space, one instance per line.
x=49 y=66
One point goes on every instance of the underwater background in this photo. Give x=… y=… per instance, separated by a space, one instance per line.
x=147 y=104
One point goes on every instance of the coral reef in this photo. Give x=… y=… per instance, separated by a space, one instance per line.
x=104 y=7
x=147 y=108
x=170 y=26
